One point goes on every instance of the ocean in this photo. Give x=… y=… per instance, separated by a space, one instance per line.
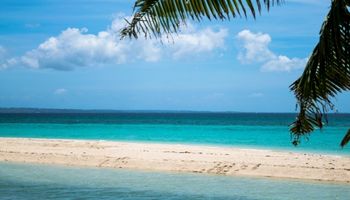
x=247 y=130
x=264 y=131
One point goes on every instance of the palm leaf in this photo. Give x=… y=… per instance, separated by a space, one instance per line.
x=157 y=17
x=327 y=72
x=346 y=139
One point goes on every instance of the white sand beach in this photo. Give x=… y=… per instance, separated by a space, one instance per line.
x=177 y=158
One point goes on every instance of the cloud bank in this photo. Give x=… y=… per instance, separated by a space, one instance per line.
x=255 y=49
x=74 y=48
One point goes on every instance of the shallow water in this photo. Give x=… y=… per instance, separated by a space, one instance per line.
x=269 y=131
x=24 y=181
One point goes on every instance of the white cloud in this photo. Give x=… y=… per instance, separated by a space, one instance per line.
x=283 y=63
x=60 y=91
x=256 y=50
x=198 y=42
x=77 y=48
x=255 y=47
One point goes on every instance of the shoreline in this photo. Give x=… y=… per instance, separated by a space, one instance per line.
x=199 y=144
x=215 y=160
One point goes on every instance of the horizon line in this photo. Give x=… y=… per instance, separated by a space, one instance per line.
x=79 y=110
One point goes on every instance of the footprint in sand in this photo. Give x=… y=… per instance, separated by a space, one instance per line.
x=244 y=167
x=103 y=162
x=256 y=166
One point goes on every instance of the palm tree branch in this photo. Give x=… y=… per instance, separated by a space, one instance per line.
x=156 y=17
x=326 y=74
x=346 y=139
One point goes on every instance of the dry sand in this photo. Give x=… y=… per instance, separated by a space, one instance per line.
x=177 y=158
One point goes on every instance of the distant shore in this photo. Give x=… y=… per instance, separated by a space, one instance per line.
x=177 y=158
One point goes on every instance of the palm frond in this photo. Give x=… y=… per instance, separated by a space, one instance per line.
x=346 y=139
x=157 y=17
x=327 y=72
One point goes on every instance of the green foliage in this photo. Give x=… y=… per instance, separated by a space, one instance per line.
x=327 y=73
x=157 y=17
x=346 y=139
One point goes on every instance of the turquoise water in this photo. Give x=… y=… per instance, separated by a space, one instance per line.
x=230 y=129
x=19 y=181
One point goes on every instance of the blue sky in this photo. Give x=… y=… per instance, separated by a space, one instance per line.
x=67 y=54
